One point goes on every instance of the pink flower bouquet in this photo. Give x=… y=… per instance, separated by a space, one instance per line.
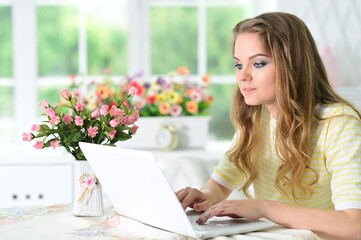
x=71 y=122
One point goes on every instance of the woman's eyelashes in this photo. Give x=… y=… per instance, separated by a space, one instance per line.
x=238 y=66
x=256 y=64
x=260 y=64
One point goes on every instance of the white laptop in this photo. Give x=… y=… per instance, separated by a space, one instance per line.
x=138 y=189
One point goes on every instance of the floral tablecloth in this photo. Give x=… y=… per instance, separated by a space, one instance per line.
x=57 y=223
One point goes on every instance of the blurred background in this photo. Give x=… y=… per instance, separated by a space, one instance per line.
x=43 y=42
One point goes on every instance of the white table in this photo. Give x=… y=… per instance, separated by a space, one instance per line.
x=57 y=223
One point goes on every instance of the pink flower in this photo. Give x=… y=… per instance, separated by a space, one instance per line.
x=140 y=104
x=175 y=110
x=55 y=120
x=95 y=113
x=132 y=91
x=67 y=118
x=79 y=106
x=134 y=129
x=50 y=112
x=112 y=134
x=92 y=131
x=104 y=110
x=76 y=93
x=55 y=143
x=27 y=137
x=78 y=121
x=44 y=104
x=116 y=112
x=196 y=96
x=65 y=94
x=114 y=122
x=38 y=145
x=35 y=128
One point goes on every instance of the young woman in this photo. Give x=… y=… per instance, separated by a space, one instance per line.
x=297 y=142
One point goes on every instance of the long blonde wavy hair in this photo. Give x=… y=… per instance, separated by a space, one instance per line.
x=301 y=84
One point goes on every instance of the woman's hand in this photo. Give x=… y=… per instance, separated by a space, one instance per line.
x=200 y=200
x=251 y=209
x=194 y=198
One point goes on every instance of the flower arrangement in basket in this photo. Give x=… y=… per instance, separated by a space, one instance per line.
x=172 y=95
x=70 y=122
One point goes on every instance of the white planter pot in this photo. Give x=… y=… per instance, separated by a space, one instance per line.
x=88 y=199
x=192 y=132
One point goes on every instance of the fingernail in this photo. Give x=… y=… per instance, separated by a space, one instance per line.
x=222 y=211
x=199 y=221
x=207 y=215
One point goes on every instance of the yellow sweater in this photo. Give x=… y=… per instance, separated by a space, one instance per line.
x=336 y=157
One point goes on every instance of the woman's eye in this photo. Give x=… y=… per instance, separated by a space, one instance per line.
x=259 y=64
x=238 y=66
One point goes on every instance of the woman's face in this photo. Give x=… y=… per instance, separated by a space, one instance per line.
x=255 y=72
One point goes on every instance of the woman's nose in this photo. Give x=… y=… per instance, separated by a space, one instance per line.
x=244 y=75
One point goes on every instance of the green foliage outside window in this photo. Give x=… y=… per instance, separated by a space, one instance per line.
x=5 y=42
x=57 y=40
x=173 y=39
x=220 y=22
x=107 y=47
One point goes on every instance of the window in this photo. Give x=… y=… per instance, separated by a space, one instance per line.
x=7 y=125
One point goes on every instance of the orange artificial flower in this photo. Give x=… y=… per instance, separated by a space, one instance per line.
x=183 y=71
x=164 y=108
x=206 y=79
x=104 y=91
x=192 y=107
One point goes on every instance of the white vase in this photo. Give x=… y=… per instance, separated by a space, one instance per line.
x=192 y=132
x=88 y=196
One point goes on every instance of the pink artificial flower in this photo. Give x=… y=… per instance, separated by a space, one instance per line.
x=95 y=113
x=114 y=122
x=126 y=120
x=136 y=114
x=44 y=104
x=55 y=120
x=76 y=93
x=92 y=131
x=78 y=121
x=134 y=129
x=175 y=110
x=38 y=145
x=112 y=134
x=196 y=96
x=55 y=143
x=50 y=112
x=116 y=112
x=27 y=137
x=140 y=104
x=65 y=94
x=67 y=118
x=79 y=106
x=35 y=128
x=104 y=110
x=132 y=91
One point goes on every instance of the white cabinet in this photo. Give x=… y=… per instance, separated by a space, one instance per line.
x=35 y=184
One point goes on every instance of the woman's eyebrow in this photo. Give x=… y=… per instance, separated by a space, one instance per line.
x=253 y=56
